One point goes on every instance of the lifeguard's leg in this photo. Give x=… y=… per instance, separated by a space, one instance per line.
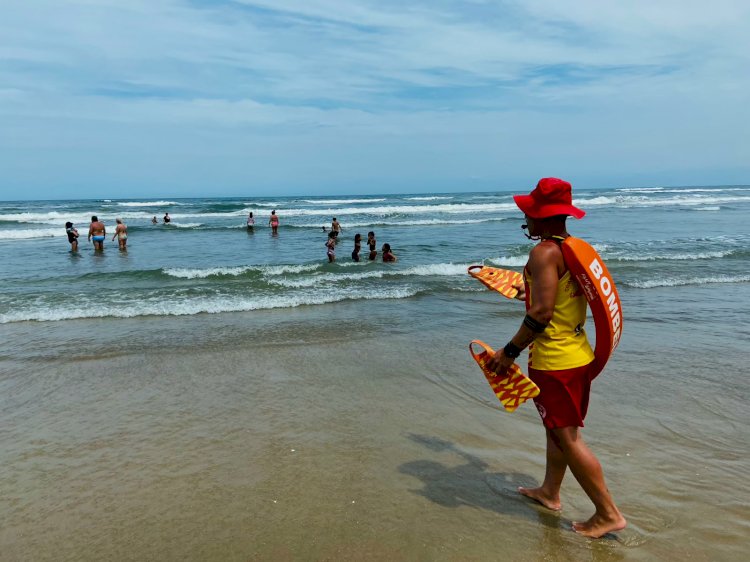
x=588 y=472
x=548 y=494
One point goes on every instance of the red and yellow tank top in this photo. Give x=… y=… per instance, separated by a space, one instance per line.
x=563 y=345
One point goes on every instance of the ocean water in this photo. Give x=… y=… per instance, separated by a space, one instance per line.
x=214 y=394
x=206 y=261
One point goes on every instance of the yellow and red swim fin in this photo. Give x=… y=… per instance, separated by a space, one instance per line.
x=500 y=280
x=512 y=388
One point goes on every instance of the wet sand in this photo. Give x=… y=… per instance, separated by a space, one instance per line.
x=280 y=436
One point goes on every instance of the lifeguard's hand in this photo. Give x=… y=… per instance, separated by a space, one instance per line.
x=521 y=295
x=499 y=363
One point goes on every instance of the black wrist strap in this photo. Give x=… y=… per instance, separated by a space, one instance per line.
x=511 y=350
x=534 y=325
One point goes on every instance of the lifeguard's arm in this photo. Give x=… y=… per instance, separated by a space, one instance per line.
x=543 y=266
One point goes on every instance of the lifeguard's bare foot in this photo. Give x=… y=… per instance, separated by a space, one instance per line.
x=538 y=495
x=598 y=526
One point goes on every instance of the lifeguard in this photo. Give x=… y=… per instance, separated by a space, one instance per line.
x=558 y=283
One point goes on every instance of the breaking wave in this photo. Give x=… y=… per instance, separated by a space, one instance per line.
x=677 y=282
x=202 y=305
x=147 y=203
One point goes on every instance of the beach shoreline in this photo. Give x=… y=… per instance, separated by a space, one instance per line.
x=359 y=439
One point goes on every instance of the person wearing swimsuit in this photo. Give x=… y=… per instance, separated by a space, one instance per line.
x=250 y=221
x=167 y=218
x=331 y=247
x=274 y=222
x=388 y=256
x=72 y=233
x=357 y=246
x=560 y=358
x=97 y=233
x=336 y=227
x=373 y=245
x=121 y=233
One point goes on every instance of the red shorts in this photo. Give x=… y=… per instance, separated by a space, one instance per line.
x=564 y=396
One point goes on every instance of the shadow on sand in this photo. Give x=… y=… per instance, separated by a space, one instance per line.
x=471 y=484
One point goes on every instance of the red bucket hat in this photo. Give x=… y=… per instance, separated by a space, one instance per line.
x=551 y=197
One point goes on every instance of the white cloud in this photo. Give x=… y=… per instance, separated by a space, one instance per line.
x=451 y=80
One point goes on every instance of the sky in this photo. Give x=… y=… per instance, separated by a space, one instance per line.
x=137 y=98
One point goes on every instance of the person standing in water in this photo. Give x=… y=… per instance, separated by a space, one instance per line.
x=562 y=356
x=250 y=221
x=388 y=255
x=97 y=233
x=336 y=227
x=121 y=233
x=372 y=243
x=331 y=247
x=274 y=222
x=357 y=246
x=167 y=219
x=72 y=233
x=154 y=221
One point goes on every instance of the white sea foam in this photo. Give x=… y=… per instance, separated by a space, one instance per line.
x=288 y=268
x=192 y=273
x=448 y=208
x=686 y=190
x=520 y=261
x=28 y=234
x=419 y=222
x=185 y=224
x=431 y=198
x=641 y=189
x=147 y=203
x=674 y=257
x=198 y=305
x=687 y=200
x=592 y=201
x=430 y=270
x=55 y=217
x=696 y=200
x=340 y=201
x=509 y=261
x=323 y=279
x=436 y=269
x=677 y=282
x=709 y=208
x=194 y=216
x=272 y=270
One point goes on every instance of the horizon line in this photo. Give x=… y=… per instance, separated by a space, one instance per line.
x=508 y=190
